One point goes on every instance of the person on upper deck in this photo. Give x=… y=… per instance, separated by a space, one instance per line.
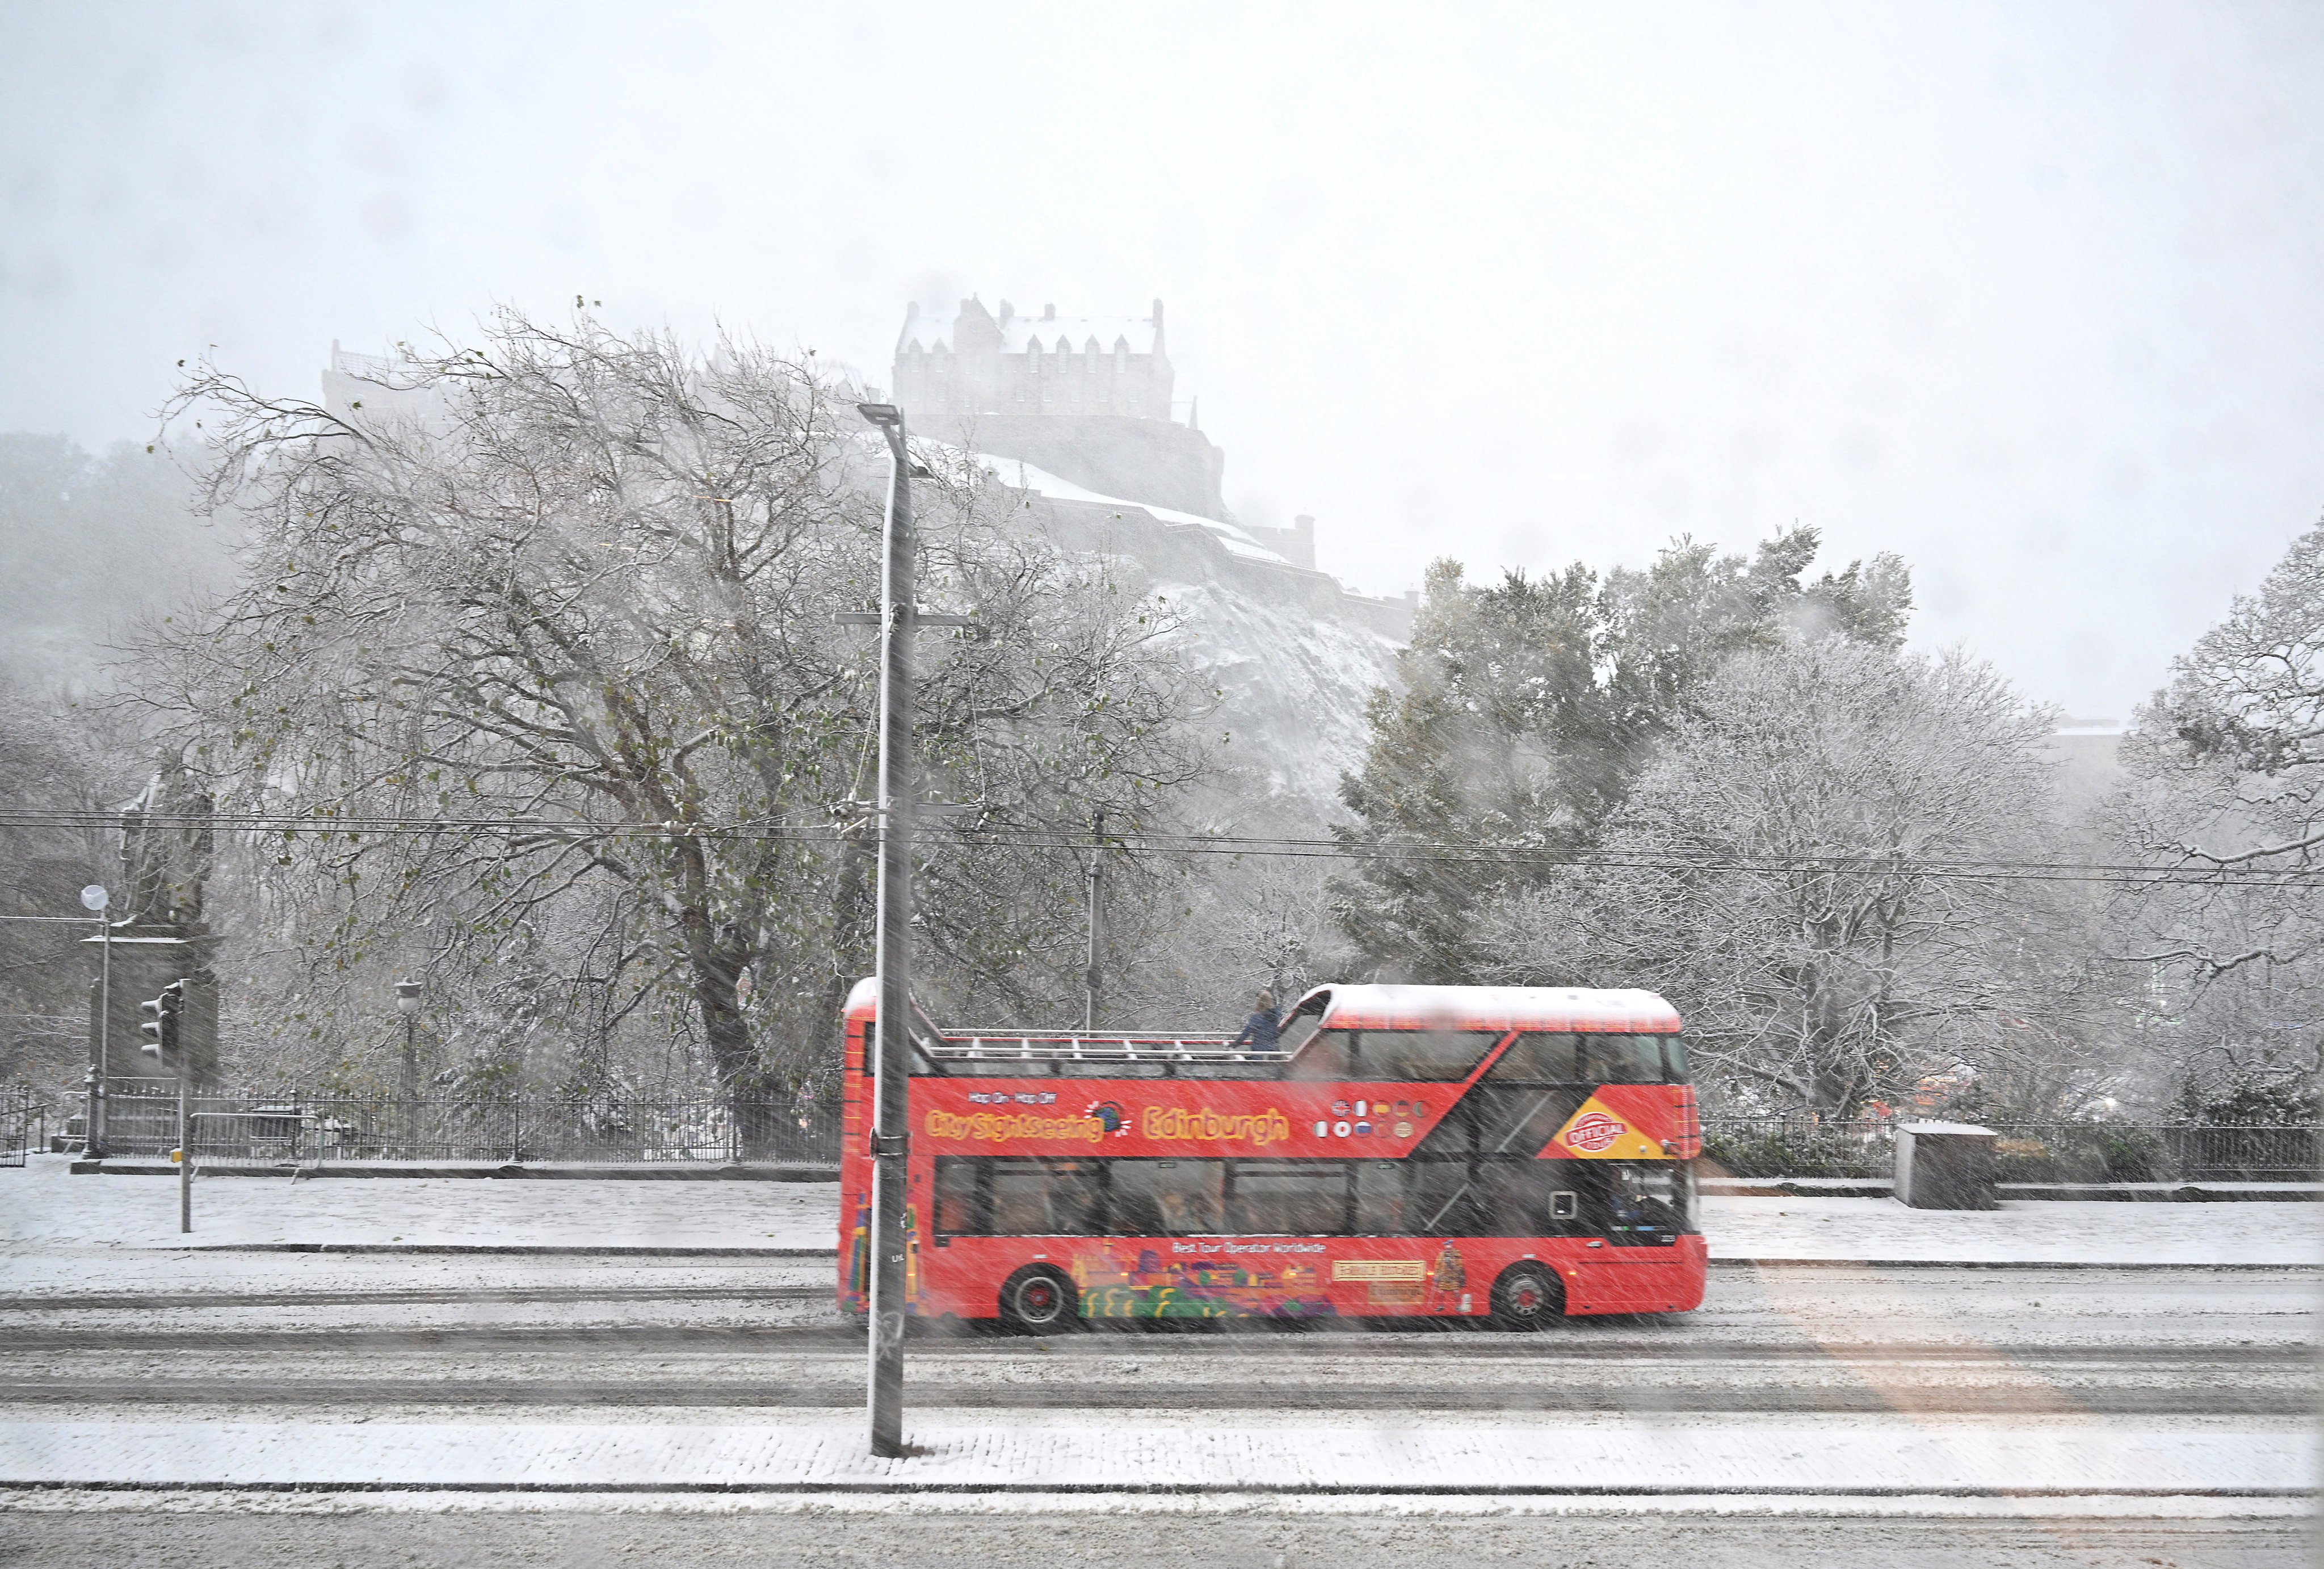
x=1261 y=1031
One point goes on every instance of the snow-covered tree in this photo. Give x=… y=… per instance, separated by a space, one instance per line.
x=1525 y=707
x=2226 y=798
x=539 y=660
x=1822 y=867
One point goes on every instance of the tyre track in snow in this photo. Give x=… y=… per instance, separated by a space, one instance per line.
x=1825 y=1340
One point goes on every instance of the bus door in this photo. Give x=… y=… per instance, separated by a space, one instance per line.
x=1632 y=1213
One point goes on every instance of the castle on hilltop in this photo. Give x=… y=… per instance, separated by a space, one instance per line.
x=1086 y=398
x=1087 y=401
x=978 y=365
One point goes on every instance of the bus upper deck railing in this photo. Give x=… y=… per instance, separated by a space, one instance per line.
x=1127 y=1048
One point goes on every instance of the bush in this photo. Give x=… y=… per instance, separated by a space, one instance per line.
x=1794 y=1152
x=2096 y=1153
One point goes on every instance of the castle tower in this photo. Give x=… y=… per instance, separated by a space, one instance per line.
x=976 y=365
x=1086 y=398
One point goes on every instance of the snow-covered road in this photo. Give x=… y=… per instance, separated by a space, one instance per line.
x=2113 y=1357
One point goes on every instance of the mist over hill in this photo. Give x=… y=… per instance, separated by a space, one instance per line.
x=89 y=546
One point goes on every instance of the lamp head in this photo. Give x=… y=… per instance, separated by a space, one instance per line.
x=407 y=996
x=887 y=416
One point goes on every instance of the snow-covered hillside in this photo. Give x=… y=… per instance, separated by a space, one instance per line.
x=1295 y=684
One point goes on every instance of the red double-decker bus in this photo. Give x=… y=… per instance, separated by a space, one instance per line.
x=1510 y=1153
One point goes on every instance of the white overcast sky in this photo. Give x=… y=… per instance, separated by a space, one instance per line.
x=2032 y=294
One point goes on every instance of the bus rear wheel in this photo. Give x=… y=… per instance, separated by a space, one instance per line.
x=1038 y=1300
x=1526 y=1297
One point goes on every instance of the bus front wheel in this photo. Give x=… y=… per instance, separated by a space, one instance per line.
x=1038 y=1300
x=1526 y=1297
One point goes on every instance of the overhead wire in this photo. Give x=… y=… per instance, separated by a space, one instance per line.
x=935 y=833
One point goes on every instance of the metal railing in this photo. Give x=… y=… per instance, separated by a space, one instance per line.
x=2033 y=1152
x=1111 y=1046
x=23 y=1124
x=303 y=1127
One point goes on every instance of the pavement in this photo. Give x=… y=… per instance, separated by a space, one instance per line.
x=1162 y=1452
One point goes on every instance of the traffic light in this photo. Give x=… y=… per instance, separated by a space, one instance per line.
x=162 y=1027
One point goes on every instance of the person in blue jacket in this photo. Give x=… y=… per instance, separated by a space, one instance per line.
x=1261 y=1030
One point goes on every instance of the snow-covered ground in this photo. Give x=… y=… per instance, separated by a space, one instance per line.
x=1202 y=1450
x=45 y=1205
x=2028 y=1232
x=46 y=1208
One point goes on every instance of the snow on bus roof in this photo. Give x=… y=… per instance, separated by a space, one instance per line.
x=1629 y=1012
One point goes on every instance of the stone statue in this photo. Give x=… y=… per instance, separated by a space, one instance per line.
x=166 y=851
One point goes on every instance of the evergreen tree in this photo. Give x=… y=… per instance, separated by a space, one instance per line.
x=1525 y=707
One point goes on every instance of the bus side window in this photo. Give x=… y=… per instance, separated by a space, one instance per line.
x=1539 y=1056
x=1441 y=1201
x=1512 y=1198
x=1021 y=1199
x=1166 y=1198
x=1379 y=1198
x=1332 y=1054
x=1292 y=1198
x=1674 y=1069
x=1622 y=1059
x=1428 y=1056
x=956 y=1197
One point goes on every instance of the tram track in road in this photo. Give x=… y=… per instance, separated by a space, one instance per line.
x=1581 y=1369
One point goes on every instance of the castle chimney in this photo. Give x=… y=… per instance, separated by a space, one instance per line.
x=1007 y=312
x=1048 y=313
x=1303 y=541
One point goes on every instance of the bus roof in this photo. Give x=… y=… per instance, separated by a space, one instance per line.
x=1619 y=1012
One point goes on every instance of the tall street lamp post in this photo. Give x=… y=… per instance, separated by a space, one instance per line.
x=884 y=1395
x=407 y=1002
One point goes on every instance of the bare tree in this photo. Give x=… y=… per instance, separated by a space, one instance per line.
x=539 y=657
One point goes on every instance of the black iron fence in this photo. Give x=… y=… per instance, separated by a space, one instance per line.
x=302 y=1127
x=2042 y=1152
x=23 y=1124
x=305 y=1127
